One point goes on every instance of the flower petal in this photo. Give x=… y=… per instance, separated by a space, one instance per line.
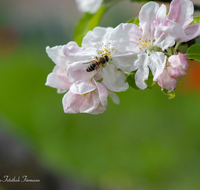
x=165 y=81
x=191 y=32
x=56 y=54
x=103 y=93
x=82 y=87
x=71 y=102
x=157 y=63
x=79 y=53
x=113 y=79
x=77 y=71
x=143 y=71
x=114 y=97
x=96 y=37
x=181 y=11
x=124 y=61
x=125 y=37
x=147 y=15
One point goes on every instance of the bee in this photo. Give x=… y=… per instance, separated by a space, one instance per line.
x=97 y=63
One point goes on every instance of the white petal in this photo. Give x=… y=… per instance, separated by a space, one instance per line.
x=147 y=15
x=143 y=71
x=79 y=53
x=124 y=61
x=161 y=14
x=56 y=54
x=82 y=87
x=163 y=39
x=77 y=71
x=113 y=79
x=125 y=37
x=103 y=94
x=59 y=82
x=96 y=37
x=114 y=97
x=157 y=63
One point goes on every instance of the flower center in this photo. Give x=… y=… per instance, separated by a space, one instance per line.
x=146 y=44
x=107 y=49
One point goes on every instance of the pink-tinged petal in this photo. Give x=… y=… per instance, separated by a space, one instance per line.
x=114 y=97
x=113 y=79
x=143 y=71
x=71 y=102
x=181 y=11
x=191 y=32
x=178 y=61
x=82 y=87
x=79 y=53
x=59 y=82
x=56 y=54
x=58 y=78
x=77 y=71
x=124 y=61
x=175 y=72
x=84 y=103
x=165 y=81
x=172 y=28
x=157 y=63
x=147 y=15
x=183 y=61
x=125 y=37
x=163 y=39
x=96 y=37
x=99 y=109
x=91 y=102
x=103 y=93
x=161 y=14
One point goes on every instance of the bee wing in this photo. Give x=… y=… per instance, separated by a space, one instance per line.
x=97 y=69
x=90 y=61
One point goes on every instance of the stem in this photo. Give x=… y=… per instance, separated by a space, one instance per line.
x=177 y=45
x=172 y=51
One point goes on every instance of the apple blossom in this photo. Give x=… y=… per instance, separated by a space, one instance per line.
x=177 y=64
x=58 y=78
x=90 y=6
x=148 y=40
x=181 y=12
x=85 y=97
x=95 y=44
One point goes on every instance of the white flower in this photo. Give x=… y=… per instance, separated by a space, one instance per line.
x=85 y=97
x=154 y=35
x=90 y=6
x=58 y=78
x=96 y=44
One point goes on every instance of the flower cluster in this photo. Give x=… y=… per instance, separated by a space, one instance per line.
x=99 y=67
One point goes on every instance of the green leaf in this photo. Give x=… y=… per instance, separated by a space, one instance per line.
x=134 y=21
x=196 y=20
x=150 y=83
x=193 y=52
x=170 y=94
x=86 y=23
x=131 y=81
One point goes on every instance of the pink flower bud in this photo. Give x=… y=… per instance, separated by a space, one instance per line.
x=165 y=81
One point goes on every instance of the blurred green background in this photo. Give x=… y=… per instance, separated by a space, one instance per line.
x=146 y=143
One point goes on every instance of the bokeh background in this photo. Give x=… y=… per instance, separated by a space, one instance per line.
x=146 y=143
